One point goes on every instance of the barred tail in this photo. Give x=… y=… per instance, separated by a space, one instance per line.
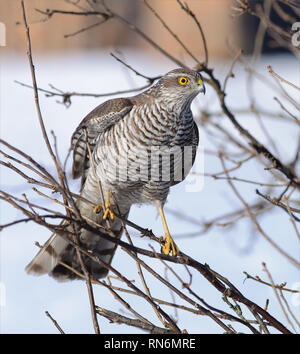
x=57 y=255
x=48 y=256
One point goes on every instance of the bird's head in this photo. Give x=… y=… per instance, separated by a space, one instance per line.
x=181 y=84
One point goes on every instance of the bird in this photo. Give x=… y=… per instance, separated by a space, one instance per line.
x=126 y=151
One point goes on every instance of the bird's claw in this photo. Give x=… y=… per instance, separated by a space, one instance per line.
x=169 y=245
x=108 y=212
x=97 y=209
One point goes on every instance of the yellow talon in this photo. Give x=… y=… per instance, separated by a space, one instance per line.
x=108 y=210
x=169 y=244
x=97 y=209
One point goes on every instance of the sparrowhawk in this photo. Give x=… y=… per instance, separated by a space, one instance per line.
x=127 y=151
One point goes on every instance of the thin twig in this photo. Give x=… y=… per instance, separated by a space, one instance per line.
x=273 y=73
x=117 y=318
x=252 y=217
x=277 y=296
x=58 y=167
x=185 y=8
x=54 y=322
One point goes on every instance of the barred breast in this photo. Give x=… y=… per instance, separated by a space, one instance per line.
x=140 y=157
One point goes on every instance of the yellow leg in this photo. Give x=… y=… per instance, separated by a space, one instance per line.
x=108 y=211
x=169 y=244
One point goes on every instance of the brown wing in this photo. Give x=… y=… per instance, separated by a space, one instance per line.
x=95 y=123
x=194 y=141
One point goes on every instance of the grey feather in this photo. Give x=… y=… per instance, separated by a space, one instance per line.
x=95 y=123
x=121 y=133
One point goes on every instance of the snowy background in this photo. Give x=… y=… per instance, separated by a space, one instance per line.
x=228 y=251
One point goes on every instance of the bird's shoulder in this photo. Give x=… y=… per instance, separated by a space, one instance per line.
x=99 y=120
x=116 y=107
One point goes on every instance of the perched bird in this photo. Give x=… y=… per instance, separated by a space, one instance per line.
x=126 y=151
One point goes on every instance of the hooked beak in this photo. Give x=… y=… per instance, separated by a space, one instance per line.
x=201 y=86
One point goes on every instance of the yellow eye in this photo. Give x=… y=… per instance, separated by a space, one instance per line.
x=200 y=82
x=183 y=80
